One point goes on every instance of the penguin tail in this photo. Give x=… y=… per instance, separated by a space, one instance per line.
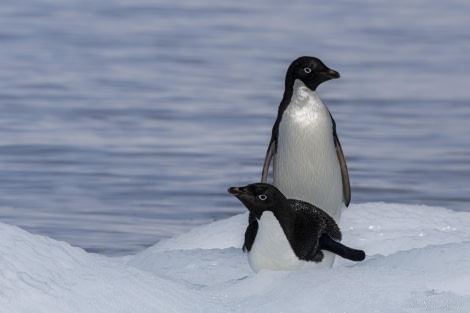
x=328 y=244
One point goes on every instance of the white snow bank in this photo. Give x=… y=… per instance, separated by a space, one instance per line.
x=418 y=261
x=39 y=274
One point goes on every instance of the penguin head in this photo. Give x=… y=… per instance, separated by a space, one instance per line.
x=259 y=197
x=311 y=71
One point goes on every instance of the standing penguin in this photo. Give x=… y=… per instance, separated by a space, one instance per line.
x=308 y=160
x=289 y=234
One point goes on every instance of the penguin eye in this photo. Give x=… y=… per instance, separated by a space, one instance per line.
x=307 y=70
x=262 y=197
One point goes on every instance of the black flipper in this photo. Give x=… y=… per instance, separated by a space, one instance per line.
x=267 y=161
x=342 y=164
x=250 y=233
x=328 y=244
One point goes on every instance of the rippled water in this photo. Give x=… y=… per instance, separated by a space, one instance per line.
x=124 y=122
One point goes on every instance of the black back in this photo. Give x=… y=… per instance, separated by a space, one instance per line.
x=310 y=224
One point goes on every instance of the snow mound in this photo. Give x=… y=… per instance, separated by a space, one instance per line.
x=417 y=261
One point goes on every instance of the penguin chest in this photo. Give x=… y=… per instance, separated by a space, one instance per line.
x=271 y=249
x=306 y=165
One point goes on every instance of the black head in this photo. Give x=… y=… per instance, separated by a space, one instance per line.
x=259 y=197
x=311 y=71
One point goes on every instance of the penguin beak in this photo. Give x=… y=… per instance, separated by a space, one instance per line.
x=331 y=74
x=237 y=191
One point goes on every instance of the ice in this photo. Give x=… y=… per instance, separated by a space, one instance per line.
x=417 y=261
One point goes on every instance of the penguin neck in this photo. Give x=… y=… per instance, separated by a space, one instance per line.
x=306 y=107
x=304 y=98
x=295 y=91
x=298 y=98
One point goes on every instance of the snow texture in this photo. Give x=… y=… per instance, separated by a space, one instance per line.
x=417 y=261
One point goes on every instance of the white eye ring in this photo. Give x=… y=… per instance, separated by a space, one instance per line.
x=262 y=197
x=307 y=70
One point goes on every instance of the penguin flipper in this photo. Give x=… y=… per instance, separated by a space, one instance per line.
x=250 y=234
x=344 y=170
x=267 y=161
x=326 y=243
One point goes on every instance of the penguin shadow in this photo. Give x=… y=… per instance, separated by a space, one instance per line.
x=298 y=232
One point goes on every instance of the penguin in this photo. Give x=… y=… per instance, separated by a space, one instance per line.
x=289 y=234
x=308 y=163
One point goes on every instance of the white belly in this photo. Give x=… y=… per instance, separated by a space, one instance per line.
x=271 y=249
x=306 y=166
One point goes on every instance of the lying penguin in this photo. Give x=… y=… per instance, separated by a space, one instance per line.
x=290 y=234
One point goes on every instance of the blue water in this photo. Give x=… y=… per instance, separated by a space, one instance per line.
x=124 y=122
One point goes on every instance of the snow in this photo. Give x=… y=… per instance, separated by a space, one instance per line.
x=417 y=261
